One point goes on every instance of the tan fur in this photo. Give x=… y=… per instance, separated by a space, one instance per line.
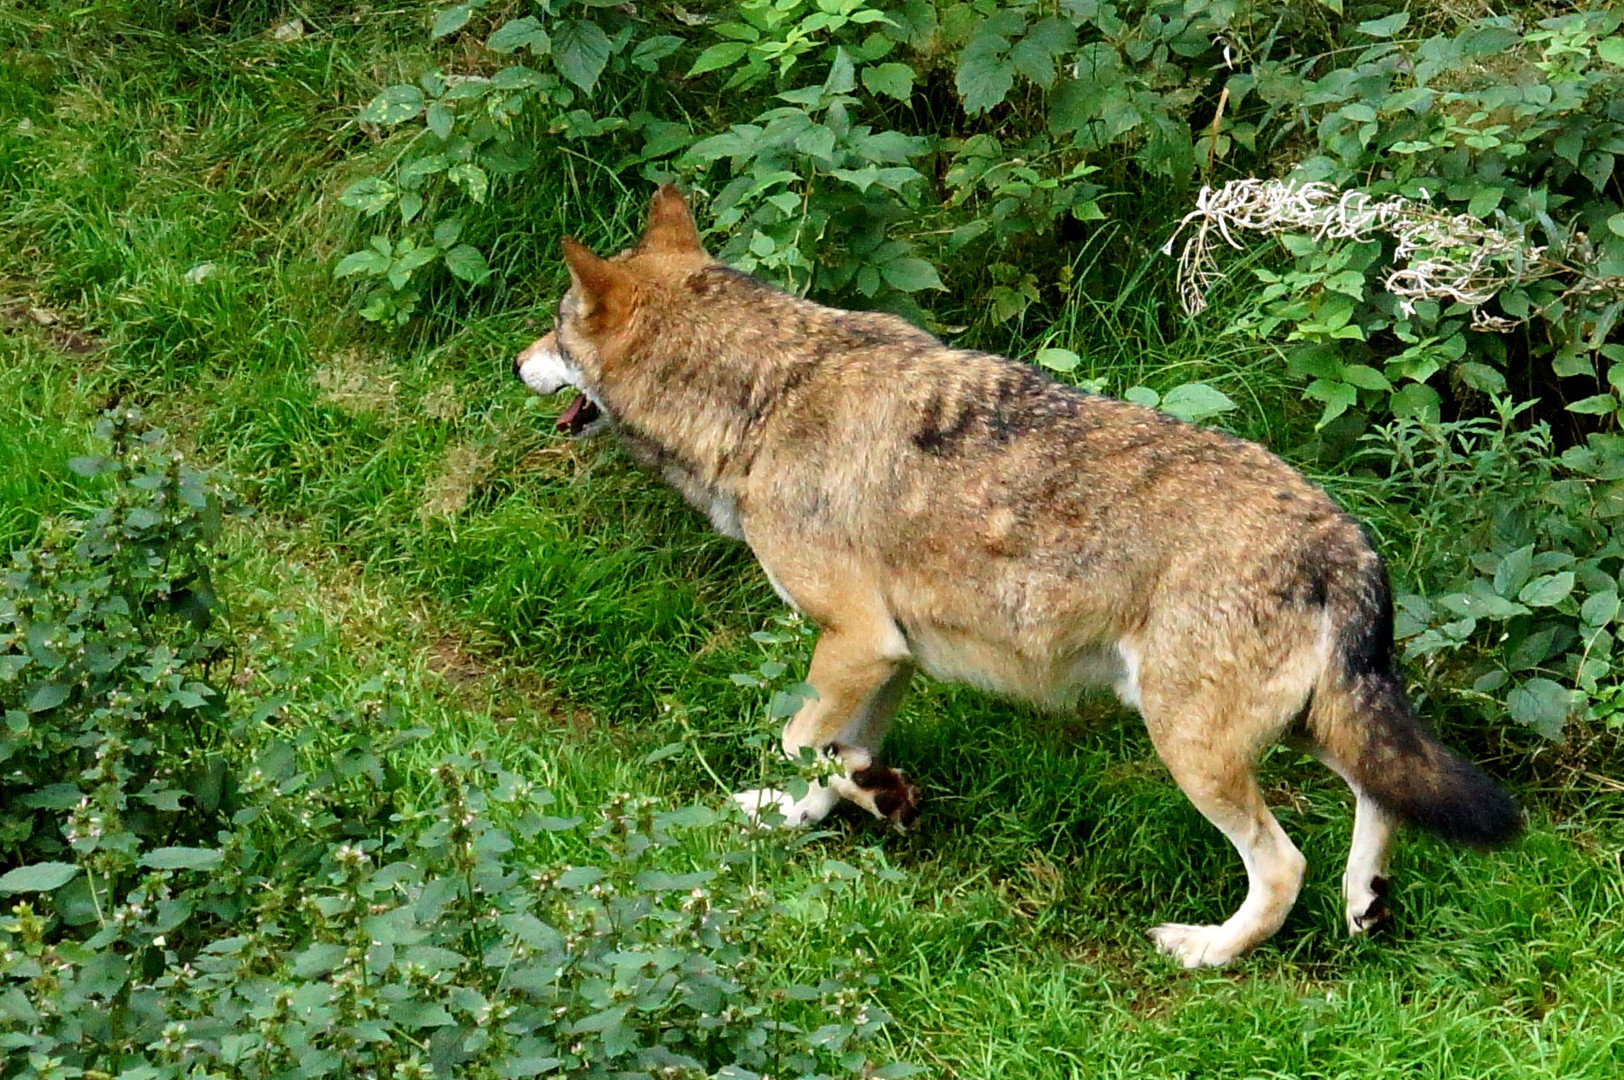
x=959 y=513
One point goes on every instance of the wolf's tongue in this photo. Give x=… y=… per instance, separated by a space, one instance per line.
x=576 y=418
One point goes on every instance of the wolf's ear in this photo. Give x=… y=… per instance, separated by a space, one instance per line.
x=670 y=225
x=606 y=290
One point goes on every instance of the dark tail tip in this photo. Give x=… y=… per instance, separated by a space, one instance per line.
x=1452 y=799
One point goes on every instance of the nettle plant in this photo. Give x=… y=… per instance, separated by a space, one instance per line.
x=220 y=857
x=467 y=139
x=1457 y=249
x=113 y=667
x=826 y=133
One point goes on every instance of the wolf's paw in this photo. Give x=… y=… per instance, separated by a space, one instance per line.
x=1194 y=946
x=1368 y=908
x=887 y=794
x=757 y=802
x=795 y=813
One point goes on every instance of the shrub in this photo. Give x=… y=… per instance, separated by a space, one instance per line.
x=1446 y=203
x=218 y=862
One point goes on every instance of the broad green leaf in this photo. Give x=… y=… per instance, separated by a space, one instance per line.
x=400 y=271
x=88 y=466
x=910 y=274
x=370 y=195
x=842 y=75
x=1482 y=377
x=1142 y=395
x=1542 y=704
x=1611 y=50
x=518 y=77
x=985 y=74
x=1035 y=54
x=1387 y=27
x=367 y=261
x=518 y=34
x=1595 y=405
x=471 y=178
x=413 y=171
x=1548 y=590
x=1058 y=359
x=1365 y=377
x=40 y=877
x=1513 y=571
x=466 y=262
x=896 y=81
x=580 y=51
x=1416 y=400
x=1600 y=608
x=1532 y=650
x=816 y=141
x=648 y=52
x=1348 y=283
x=1484 y=201
x=451 y=20
x=718 y=56
x=1195 y=402
x=439 y=120
x=1597 y=167
x=395 y=105
x=1481 y=605
x=181 y=858
x=1338 y=396
x=1615 y=224
x=45 y=696
x=317 y=959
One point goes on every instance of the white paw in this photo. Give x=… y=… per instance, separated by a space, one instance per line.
x=1194 y=946
x=1367 y=906
x=758 y=803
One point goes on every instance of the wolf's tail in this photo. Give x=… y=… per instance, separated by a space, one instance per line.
x=1362 y=718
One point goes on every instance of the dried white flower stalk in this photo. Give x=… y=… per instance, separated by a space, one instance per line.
x=1438 y=256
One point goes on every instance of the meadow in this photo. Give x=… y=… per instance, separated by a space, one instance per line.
x=170 y=205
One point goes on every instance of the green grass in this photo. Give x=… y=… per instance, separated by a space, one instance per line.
x=547 y=600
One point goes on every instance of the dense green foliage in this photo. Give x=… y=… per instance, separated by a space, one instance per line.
x=284 y=908
x=861 y=151
x=440 y=611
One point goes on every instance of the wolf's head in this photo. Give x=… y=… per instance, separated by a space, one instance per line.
x=598 y=321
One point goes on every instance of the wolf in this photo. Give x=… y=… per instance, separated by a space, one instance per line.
x=936 y=509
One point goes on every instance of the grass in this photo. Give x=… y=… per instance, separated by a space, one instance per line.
x=548 y=601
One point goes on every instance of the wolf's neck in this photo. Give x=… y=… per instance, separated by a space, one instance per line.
x=702 y=406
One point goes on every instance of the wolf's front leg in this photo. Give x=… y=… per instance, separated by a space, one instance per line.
x=860 y=676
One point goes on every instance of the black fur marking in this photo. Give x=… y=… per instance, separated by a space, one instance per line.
x=1367 y=644
x=1018 y=402
x=894 y=797
x=1380 y=911
x=1310 y=581
x=942 y=434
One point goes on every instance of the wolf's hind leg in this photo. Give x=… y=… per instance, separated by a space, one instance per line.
x=1213 y=763
x=1364 y=883
x=860 y=679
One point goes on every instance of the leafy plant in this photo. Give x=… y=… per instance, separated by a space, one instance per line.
x=297 y=907
x=1448 y=209
x=1538 y=596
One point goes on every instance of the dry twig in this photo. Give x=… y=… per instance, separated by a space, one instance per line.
x=1437 y=256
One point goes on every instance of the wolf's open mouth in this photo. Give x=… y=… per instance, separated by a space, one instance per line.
x=578 y=416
